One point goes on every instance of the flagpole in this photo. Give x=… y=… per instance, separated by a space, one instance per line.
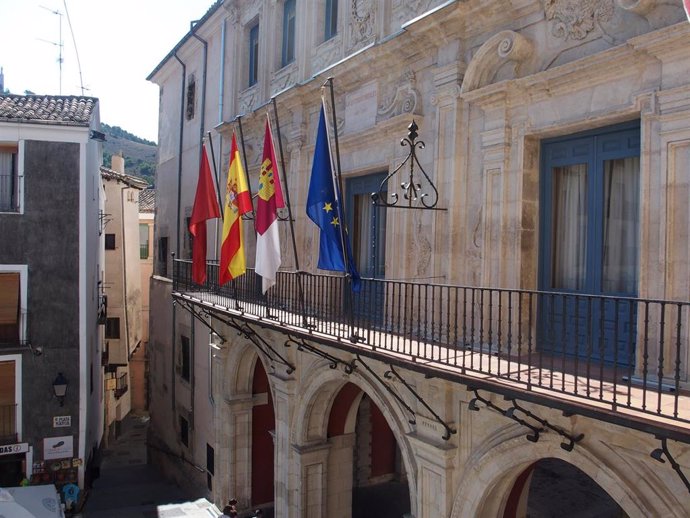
x=338 y=181
x=289 y=208
x=215 y=168
x=244 y=159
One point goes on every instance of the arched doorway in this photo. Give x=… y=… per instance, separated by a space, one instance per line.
x=552 y=487
x=365 y=457
x=263 y=426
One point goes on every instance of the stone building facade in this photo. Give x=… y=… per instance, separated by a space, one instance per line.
x=520 y=332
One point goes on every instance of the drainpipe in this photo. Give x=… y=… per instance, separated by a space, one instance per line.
x=177 y=238
x=202 y=123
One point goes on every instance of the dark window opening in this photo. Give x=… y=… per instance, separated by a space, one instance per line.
x=112 y=328
x=184 y=358
x=254 y=55
x=110 y=241
x=289 y=17
x=163 y=256
x=9 y=308
x=184 y=431
x=331 y=20
x=9 y=180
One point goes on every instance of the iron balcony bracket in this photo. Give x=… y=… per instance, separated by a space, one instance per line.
x=189 y=307
x=411 y=188
x=664 y=451
x=249 y=333
x=333 y=361
x=392 y=372
x=572 y=439
x=534 y=437
x=413 y=419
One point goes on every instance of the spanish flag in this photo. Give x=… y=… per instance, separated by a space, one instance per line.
x=237 y=202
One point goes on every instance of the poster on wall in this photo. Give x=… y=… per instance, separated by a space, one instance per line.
x=58 y=447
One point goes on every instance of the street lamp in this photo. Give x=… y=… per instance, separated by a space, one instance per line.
x=60 y=388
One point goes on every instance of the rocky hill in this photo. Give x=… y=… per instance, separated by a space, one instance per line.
x=139 y=153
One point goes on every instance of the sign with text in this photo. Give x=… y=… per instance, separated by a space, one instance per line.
x=11 y=449
x=62 y=421
x=58 y=447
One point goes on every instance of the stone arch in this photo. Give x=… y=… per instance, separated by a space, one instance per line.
x=488 y=476
x=318 y=393
x=504 y=47
x=238 y=368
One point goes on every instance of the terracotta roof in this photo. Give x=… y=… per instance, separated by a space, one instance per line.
x=132 y=181
x=147 y=200
x=48 y=109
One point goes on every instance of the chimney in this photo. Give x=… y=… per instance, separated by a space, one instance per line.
x=117 y=163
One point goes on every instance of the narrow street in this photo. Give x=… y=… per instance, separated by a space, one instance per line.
x=128 y=487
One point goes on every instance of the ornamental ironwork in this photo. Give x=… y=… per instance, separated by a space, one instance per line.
x=416 y=192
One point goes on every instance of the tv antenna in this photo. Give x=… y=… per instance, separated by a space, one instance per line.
x=59 y=44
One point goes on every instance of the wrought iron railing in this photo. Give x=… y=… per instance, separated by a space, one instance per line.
x=619 y=352
x=9 y=193
x=8 y=424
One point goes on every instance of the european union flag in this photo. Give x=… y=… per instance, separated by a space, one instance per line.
x=322 y=209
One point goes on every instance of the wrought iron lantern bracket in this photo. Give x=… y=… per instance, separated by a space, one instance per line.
x=417 y=192
x=659 y=453
x=302 y=345
x=189 y=307
x=572 y=439
x=250 y=334
x=533 y=437
x=413 y=419
x=449 y=431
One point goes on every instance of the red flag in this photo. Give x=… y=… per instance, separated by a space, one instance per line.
x=686 y=4
x=205 y=208
x=269 y=200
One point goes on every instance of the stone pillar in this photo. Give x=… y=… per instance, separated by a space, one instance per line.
x=312 y=472
x=235 y=444
x=340 y=466
x=284 y=395
x=434 y=477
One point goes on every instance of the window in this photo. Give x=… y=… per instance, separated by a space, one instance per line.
x=9 y=180
x=10 y=305
x=112 y=328
x=143 y=241
x=184 y=431
x=188 y=237
x=331 y=19
x=210 y=466
x=184 y=358
x=288 y=55
x=163 y=256
x=110 y=241
x=253 y=55
x=191 y=94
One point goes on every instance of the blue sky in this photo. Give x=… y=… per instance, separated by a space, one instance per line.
x=119 y=43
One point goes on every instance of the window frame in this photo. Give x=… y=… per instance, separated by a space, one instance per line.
x=109 y=323
x=110 y=242
x=289 y=32
x=144 y=230
x=185 y=358
x=330 y=20
x=253 y=55
x=23 y=271
x=184 y=430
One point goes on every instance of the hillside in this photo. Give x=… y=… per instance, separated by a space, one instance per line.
x=140 y=154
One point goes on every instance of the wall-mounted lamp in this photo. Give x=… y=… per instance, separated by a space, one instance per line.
x=60 y=388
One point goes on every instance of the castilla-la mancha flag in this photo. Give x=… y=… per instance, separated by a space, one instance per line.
x=205 y=208
x=269 y=200
x=237 y=202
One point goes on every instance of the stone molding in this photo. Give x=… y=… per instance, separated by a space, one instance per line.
x=405 y=99
x=506 y=46
x=362 y=17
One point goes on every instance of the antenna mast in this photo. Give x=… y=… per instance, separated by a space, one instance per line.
x=60 y=45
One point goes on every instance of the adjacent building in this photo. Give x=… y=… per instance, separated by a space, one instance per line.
x=122 y=289
x=519 y=343
x=51 y=272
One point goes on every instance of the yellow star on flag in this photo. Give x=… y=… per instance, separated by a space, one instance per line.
x=335 y=222
x=328 y=207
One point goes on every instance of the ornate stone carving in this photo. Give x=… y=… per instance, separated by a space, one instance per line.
x=326 y=54
x=248 y=99
x=233 y=13
x=283 y=78
x=404 y=99
x=577 y=18
x=362 y=22
x=497 y=50
x=409 y=9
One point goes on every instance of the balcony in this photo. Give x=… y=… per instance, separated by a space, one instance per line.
x=8 y=424
x=9 y=199
x=619 y=359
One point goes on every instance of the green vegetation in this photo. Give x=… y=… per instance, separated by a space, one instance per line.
x=139 y=153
